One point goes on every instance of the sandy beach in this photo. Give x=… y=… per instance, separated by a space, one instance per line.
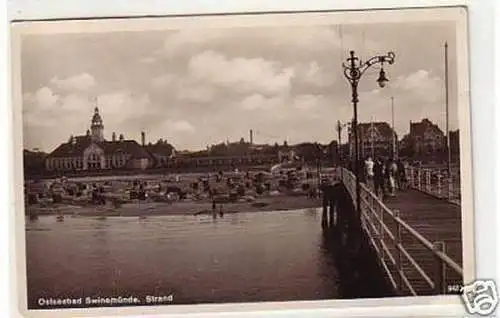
x=140 y=208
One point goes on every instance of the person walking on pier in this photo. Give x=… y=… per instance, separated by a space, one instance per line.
x=369 y=171
x=401 y=175
x=378 y=177
x=392 y=173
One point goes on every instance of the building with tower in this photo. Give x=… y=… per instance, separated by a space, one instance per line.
x=97 y=127
x=92 y=152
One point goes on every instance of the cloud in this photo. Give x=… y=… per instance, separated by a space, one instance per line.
x=42 y=99
x=50 y=118
x=196 y=93
x=241 y=74
x=123 y=106
x=70 y=113
x=163 y=81
x=40 y=109
x=179 y=126
x=417 y=95
x=308 y=102
x=300 y=38
x=314 y=75
x=148 y=60
x=75 y=103
x=82 y=82
x=184 y=88
x=188 y=38
x=260 y=102
x=422 y=84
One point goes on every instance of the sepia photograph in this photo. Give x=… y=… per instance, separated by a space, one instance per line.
x=242 y=159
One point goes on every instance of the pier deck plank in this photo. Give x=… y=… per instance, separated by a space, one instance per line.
x=436 y=220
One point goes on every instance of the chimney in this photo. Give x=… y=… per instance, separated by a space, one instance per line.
x=251 y=136
x=113 y=136
x=143 y=138
x=121 y=137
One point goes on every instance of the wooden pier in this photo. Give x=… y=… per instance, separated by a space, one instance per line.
x=416 y=237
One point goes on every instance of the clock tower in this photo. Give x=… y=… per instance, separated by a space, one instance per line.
x=97 y=127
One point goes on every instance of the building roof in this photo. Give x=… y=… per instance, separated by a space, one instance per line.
x=127 y=146
x=72 y=148
x=420 y=128
x=383 y=129
x=77 y=145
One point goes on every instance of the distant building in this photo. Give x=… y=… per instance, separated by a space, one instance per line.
x=375 y=139
x=190 y=161
x=162 y=152
x=424 y=138
x=286 y=153
x=233 y=155
x=92 y=152
x=309 y=152
x=33 y=161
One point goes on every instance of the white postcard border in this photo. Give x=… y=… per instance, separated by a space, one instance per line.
x=428 y=14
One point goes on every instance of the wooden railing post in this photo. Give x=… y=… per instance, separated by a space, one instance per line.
x=408 y=173
x=397 y=250
x=428 y=181
x=440 y=275
x=372 y=208
x=450 y=187
x=439 y=185
x=381 y=232
x=419 y=179
x=363 y=208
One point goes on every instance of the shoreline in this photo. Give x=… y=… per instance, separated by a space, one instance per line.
x=143 y=209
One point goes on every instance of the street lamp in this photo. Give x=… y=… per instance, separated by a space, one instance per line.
x=353 y=70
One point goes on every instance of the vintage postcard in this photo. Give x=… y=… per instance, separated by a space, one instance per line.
x=259 y=159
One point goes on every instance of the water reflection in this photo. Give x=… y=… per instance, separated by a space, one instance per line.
x=268 y=256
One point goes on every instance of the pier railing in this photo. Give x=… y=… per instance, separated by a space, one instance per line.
x=435 y=181
x=413 y=264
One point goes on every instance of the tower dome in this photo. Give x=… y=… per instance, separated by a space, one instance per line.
x=96 y=119
x=97 y=126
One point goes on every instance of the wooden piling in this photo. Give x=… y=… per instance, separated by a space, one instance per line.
x=324 y=215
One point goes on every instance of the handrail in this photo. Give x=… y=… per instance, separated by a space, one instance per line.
x=379 y=232
x=435 y=181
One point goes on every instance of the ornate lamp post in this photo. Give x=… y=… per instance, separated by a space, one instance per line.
x=353 y=70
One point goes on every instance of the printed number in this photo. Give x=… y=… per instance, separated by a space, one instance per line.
x=455 y=289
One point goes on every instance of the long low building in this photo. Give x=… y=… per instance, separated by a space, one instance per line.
x=209 y=161
x=92 y=152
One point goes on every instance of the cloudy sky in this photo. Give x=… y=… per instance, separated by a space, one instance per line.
x=202 y=86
